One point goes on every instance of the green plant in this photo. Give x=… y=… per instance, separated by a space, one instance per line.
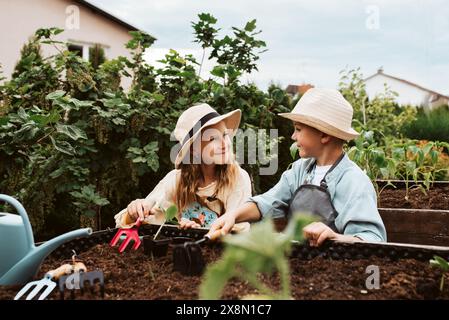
x=261 y=250
x=429 y=125
x=169 y=217
x=398 y=159
x=88 y=203
x=380 y=114
x=65 y=124
x=443 y=265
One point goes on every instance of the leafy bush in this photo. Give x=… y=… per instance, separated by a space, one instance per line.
x=75 y=147
x=433 y=125
x=380 y=115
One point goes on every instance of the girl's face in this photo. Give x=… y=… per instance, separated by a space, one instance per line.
x=307 y=139
x=216 y=145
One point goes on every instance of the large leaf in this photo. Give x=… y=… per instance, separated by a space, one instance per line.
x=216 y=277
x=63 y=146
x=55 y=95
x=171 y=213
x=71 y=131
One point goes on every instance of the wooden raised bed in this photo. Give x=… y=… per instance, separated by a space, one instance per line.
x=337 y=270
x=422 y=219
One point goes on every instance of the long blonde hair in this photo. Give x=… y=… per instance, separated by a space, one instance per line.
x=191 y=175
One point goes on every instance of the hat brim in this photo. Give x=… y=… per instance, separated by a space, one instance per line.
x=320 y=125
x=232 y=122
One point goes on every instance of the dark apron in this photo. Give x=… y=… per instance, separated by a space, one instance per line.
x=315 y=200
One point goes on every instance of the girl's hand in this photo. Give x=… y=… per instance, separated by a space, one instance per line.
x=139 y=208
x=188 y=224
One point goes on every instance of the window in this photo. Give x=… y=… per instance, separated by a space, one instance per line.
x=92 y=52
x=76 y=48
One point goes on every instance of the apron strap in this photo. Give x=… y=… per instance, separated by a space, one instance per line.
x=323 y=181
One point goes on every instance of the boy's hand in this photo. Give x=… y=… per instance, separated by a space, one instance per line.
x=224 y=223
x=188 y=224
x=317 y=232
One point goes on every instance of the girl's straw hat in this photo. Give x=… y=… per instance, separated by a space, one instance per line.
x=195 y=119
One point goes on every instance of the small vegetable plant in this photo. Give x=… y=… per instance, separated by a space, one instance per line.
x=170 y=218
x=261 y=250
x=439 y=262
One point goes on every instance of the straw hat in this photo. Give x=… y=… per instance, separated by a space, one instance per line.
x=326 y=110
x=195 y=119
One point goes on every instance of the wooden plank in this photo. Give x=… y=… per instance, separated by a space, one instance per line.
x=419 y=226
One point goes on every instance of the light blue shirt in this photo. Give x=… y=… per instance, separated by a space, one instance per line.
x=352 y=195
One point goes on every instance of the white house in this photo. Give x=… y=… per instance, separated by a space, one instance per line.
x=85 y=26
x=408 y=93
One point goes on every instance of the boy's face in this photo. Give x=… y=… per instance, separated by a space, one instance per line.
x=307 y=139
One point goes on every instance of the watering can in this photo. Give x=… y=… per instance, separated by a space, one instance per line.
x=20 y=259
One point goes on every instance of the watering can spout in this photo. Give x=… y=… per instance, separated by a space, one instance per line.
x=29 y=265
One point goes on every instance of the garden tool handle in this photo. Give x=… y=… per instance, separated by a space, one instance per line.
x=79 y=267
x=214 y=236
x=138 y=222
x=58 y=272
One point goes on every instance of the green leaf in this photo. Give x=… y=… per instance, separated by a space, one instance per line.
x=139 y=160
x=250 y=26
x=440 y=262
x=4 y=120
x=55 y=95
x=158 y=97
x=434 y=156
x=410 y=166
x=218 y=71
x=216 y=277
x=171 y=212
x=63 y=146
x=71 y=131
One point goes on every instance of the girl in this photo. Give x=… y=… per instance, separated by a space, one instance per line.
x=206 y=181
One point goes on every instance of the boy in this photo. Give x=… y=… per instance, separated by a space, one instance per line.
x=324 y=180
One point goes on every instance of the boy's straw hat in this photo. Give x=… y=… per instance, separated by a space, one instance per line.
x=326 y=110
x=195 y=119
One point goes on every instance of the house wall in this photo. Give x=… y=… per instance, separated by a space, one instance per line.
x=19 y=19
x=408 y=94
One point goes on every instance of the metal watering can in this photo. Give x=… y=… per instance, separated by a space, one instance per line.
x=20 y=259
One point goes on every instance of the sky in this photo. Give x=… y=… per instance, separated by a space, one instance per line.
x=310 y=41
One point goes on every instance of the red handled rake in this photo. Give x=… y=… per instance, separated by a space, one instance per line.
x=130 y=235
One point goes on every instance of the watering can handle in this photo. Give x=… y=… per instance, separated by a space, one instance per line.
x=21 y=210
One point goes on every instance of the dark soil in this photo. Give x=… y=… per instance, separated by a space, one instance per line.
x=133 y=275
x=436 y=198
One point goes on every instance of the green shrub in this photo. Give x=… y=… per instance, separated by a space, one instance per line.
x=433 y=125
x=76 y=148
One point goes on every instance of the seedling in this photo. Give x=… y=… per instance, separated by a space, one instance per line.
x=170 y=217
x=159 y=248
x=443 y=265
x=262 y=250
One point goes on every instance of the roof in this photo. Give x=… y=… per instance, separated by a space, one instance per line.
x=301 y=89
x=107 y=15
x=381 y=72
